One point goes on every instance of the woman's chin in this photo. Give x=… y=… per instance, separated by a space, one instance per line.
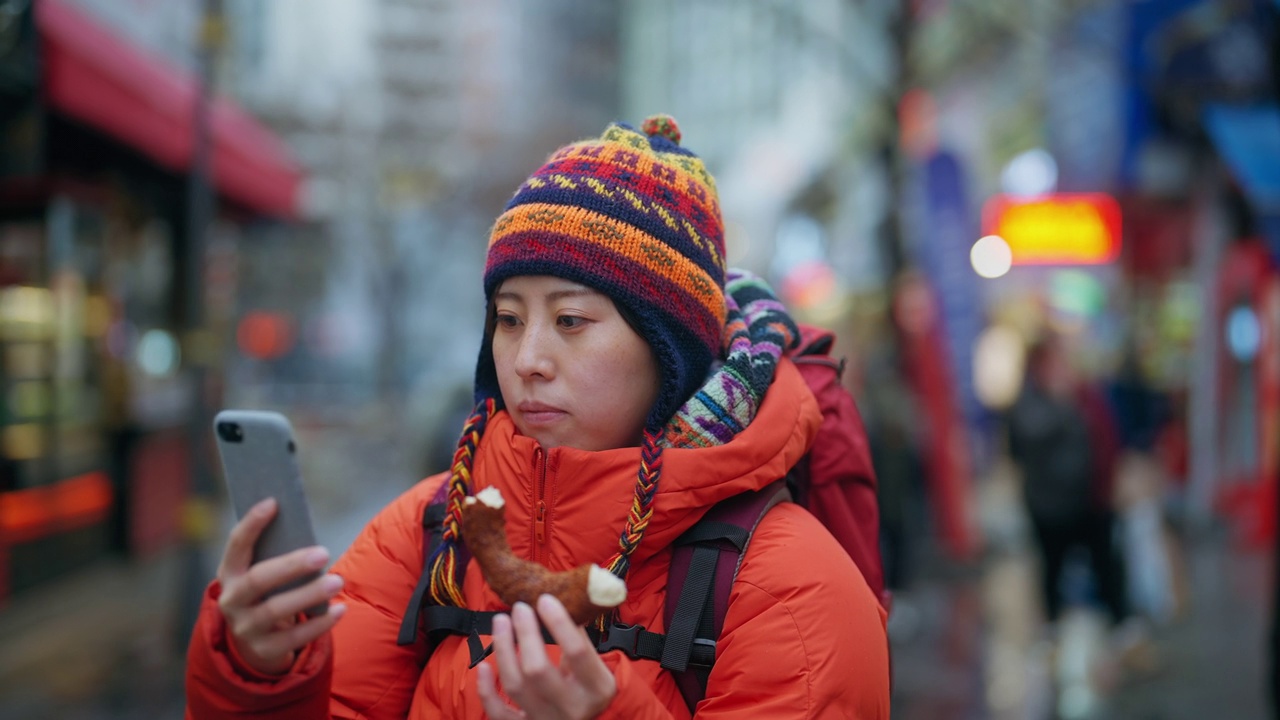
x=545 y=437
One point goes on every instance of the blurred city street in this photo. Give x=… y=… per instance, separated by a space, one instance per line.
x=1045 y=235
x=968 y=641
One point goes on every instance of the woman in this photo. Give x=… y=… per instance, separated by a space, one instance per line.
x=621 y=393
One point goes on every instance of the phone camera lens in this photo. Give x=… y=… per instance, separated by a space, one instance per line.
x=231 y=432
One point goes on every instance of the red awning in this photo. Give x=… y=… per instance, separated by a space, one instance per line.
x=94 y=76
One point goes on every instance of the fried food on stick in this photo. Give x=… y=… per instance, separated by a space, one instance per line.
x=585 y=591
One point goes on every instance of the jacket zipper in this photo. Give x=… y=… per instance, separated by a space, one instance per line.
x=540 y=511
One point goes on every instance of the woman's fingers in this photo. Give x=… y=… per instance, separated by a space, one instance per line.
x=568 y=636
x=578 y=685
x=238 y=554
x=274 y=652
x=247 y=587
x=284 y=642
x=268 y=634
x=533 y=651
x=578 y=655
x=494 y=705
x=313 y=594
x=504 y=654
x=528 y=689
x=266 y=629
x=269 y=614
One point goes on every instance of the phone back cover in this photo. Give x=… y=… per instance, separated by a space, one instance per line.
x=265 y=464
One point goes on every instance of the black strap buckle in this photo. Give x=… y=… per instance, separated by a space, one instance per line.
x=621 y=637
x=703 y=653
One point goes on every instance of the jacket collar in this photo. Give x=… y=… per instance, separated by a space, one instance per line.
x=583 y=498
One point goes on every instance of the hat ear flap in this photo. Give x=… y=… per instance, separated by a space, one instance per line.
x=487 y=387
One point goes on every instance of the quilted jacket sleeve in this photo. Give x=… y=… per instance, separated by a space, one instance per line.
x=804 y=636
x=371 y=677
x=220 y=686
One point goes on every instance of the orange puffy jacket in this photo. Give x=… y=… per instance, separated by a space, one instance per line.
x=804 y=636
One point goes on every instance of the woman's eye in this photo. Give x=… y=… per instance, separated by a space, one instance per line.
x=507 y=321
x=569 y=322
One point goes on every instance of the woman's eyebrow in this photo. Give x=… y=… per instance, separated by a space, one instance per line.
x=550 y=297
x=574 y=292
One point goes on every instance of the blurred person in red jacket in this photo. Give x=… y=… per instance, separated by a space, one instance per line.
x=626 y=384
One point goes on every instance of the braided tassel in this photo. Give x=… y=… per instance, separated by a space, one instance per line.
x=641 y=511
x=444 y=562
x=641 y=505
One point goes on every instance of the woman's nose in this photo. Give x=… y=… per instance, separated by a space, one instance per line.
x=533 y=357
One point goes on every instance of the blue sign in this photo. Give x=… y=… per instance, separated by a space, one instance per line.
x=1248 y=141
x=943 y=229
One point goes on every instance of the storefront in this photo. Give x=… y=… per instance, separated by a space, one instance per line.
x=1212 y=79
x=96 y=143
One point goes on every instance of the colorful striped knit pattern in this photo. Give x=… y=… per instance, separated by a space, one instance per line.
x=635 y=216
x=757 y=333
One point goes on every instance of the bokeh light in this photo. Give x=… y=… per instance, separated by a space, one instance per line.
x=998 y=360
x=1033 y=172
x=991 y=256
x=158 y=353
x=1244 y=334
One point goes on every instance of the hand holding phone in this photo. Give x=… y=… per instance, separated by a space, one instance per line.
x=271 y=567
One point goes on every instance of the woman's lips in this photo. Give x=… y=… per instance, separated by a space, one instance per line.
x=539 y=414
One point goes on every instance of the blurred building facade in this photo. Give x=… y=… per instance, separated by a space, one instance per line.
x=787 y=103
x=415 y=122
x=103 y=320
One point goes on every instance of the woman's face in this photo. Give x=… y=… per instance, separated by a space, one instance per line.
x=572 y=371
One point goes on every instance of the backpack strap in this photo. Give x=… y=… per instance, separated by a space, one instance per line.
x=814 y=342
x=703 y=567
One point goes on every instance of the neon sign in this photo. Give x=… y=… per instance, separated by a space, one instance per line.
x=1060 y=229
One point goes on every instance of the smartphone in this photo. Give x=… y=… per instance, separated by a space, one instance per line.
x=260 y=460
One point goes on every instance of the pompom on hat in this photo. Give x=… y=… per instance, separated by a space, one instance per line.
x=635 y=216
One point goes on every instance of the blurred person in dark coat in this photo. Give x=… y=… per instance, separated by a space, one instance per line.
x=892 y=419
x=1063 y=438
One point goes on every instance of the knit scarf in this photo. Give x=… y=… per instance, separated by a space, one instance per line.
x=758 y=331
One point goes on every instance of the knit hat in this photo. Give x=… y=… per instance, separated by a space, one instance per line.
x=634 y=216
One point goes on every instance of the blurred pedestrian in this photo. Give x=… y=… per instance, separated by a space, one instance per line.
x=625 y=385
x=892 y=425
x=1063 y=439
x=1141 y=409
x=1151 y=550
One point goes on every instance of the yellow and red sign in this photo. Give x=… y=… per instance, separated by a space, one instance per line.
x=1060 y=229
